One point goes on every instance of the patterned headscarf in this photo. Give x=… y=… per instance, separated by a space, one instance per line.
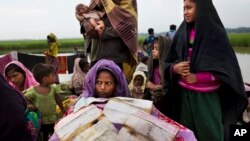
x=121 y=87
x=29 y=78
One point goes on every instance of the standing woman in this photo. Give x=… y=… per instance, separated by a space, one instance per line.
x=52 y=52
x=205 y=90
x=118 y=38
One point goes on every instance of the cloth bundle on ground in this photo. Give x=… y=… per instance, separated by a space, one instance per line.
x=131 y=115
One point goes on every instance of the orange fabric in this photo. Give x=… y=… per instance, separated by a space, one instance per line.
x=62 y=64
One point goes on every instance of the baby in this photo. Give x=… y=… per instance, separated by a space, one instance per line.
x=85 y=14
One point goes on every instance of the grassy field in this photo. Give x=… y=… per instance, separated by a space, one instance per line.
x=67 y=45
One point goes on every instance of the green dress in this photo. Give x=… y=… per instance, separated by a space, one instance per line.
x=45 y=103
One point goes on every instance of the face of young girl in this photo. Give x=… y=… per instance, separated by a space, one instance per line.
x=138 y=80
x=16 y=78
x=189 y=11
x=105 y=85
x=155 y=51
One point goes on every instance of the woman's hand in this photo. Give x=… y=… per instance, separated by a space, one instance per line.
x=182 y=68
x=191 y=78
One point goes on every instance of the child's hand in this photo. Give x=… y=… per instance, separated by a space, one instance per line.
x=100 y=27
x=45 y=53
x=31 y=107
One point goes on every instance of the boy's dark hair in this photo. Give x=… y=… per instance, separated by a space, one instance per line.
x=172 y=27
x=41 y=70
x=150 y=30
x=83 y=62
x=13 y=67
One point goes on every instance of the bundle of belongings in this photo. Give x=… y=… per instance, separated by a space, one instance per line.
x=119 y=119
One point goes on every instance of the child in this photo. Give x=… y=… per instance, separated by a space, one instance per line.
x=155 y=75
x=44 y=97
x=81 y=67
x=85 y=14
x=19 y=76
x=203 y=77
x=137 y=84
x=143 y=65
x=52 y=52
x=147 y=43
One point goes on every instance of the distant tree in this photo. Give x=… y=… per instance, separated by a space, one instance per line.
x=238 y=30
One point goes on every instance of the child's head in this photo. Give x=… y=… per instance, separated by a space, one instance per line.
x=172 y=27
x=155 y=51
x=84 y=65
x=82 y=9
x=151 y=31
x=15 y=74
x=144 y=60
x=189 y=11
x=105 y=83
x=138 y=80
x=44 y=74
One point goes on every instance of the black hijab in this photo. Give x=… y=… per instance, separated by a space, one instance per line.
x=12 y=117
x=212 y=52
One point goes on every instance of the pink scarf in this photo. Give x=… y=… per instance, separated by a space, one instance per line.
x=29 y=79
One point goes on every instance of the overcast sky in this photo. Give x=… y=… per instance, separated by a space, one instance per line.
x=34 y=19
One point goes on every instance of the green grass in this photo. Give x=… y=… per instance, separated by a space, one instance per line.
x=36 y=46
x=67 y=45
x=239 y=39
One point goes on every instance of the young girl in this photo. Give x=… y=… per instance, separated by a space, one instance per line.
x=52 y=52
x=81 y=67
x=44 y=97
x=137 y=84
x=19 y=76
x=203 y=78
x=155 y=75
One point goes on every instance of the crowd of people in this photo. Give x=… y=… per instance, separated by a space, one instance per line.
x=189 y=75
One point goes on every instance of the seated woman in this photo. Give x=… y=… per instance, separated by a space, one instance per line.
x=106 y=80
x=12 y=126
x=19 y=76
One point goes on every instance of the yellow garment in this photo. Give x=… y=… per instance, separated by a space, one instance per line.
x=53 y=45
x=66 y=103
x=53 y=49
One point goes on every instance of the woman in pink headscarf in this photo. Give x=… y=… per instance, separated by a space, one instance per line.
x=19 y=76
